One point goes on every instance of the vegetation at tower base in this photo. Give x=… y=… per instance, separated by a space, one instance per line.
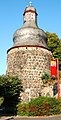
x=46 y=78
x=54 y=45
x=10 y=88
x=1 y=100
x=39 y=107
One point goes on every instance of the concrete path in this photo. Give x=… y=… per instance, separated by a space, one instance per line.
x=32 y=118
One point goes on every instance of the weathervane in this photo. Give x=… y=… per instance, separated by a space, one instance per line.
x=30 y=3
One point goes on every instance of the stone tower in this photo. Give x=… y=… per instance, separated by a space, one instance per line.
x=29 y=57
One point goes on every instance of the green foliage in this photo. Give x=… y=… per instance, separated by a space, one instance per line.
x=54 y=45
x=10 y=88
x=60 y=76
x=57 y=54
x=53 y=41
x=46 y=77
x=36 y=102
x=23 y=109
x=1 y=100
x=40 y=106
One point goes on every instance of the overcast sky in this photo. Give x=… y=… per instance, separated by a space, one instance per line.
x=11 y=18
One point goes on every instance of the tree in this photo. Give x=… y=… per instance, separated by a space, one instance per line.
x=54 y=45
x=10 y=88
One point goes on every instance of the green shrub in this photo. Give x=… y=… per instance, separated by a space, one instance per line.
x=46 y=77
x=23 y=109
x=39 y=106
x=1 y=100
x=37 y=102
x=10 y=88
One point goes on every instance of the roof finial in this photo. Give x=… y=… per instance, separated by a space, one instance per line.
x=30 y=3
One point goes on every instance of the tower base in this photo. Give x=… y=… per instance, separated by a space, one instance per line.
x=29 y=64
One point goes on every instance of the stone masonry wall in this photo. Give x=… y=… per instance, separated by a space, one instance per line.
x=29 y=63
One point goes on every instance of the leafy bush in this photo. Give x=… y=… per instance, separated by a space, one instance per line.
x=10 y=88
x=1 y=100
x=45 y=77
x=23 y=109
x=39 y=106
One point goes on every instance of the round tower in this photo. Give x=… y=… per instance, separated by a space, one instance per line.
x=29 y=57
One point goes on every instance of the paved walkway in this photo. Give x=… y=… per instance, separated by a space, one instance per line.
x=32 y=118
